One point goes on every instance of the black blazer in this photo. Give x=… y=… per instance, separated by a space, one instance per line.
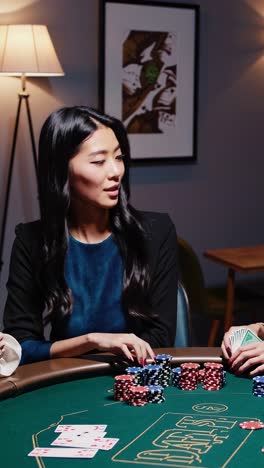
x=23 y=314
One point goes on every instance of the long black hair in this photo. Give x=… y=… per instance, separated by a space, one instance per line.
x=60 y=139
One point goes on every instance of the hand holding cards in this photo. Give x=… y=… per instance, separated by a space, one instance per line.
x=242 y=336
x=80 y=440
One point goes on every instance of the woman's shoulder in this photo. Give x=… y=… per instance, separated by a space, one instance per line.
x=28 y=232
x=160 y=234
x=153 y=219
x=157 y=225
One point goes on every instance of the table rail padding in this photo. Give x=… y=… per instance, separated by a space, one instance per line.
x=41 y=374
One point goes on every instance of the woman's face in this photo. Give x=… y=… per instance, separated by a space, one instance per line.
x=96 y=171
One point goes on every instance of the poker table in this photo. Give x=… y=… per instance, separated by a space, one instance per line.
x=190 y=429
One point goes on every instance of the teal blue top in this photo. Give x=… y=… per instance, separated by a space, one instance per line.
x=94 y=273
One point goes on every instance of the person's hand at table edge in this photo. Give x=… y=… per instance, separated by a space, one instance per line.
x=257 y=328
x=125 y=343
x=246 y=357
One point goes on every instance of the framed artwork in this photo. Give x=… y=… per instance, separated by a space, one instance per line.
x=148 y=75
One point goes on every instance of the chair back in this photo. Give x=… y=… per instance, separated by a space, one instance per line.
x=191 y=276
x=183 y=329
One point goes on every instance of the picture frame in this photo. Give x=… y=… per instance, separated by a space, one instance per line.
x=148 y=75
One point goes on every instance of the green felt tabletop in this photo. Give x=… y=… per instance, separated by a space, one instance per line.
x=190 y=429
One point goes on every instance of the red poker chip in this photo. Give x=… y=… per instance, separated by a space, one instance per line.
x=187 y=378
x=251 y=425
x=188 y=382
x=212 y=382
x=213 y=365
x=207 y=387
x=188 y=388
x=140 y=387
x=190 y=365
x=209 y=377
x=138 y=404
x=124 y=378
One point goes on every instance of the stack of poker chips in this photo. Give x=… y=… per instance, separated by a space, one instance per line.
x=258 y=386
x=164 y=360
x=201 y=375
x=138 y=395
x=188 y=379
x=152 y=374
x=214 y=377
x=146 y=388
x=138 y=373
x=175 y=376
x=146 y=385
x=189 y=375
x=155 y=394
x=122 y=386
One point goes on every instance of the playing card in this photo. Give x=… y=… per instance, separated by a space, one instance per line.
x=80 y=427
x=242 y=336
x=81 y=434
x=236 y=338
x=76 y=439
x=106 y=443
x=63 y=452
x=250 y=337
x=85 y=442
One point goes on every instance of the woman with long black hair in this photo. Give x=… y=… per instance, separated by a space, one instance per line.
x=103 y=274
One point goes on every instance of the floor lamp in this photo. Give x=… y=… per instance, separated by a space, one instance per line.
x=25 y=50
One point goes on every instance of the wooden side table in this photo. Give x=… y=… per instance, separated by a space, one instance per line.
x=241 y=259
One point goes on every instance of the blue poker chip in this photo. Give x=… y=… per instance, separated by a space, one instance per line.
x=176 y=370
x=133 y=370
x=155 y=388
x=163 y=357
x=152 y=367
x=259 y=379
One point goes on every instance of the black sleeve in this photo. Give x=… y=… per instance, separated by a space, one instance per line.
x=163 y=293
x=24 y=307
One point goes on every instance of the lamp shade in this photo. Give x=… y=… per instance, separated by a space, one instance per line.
x=27 y=49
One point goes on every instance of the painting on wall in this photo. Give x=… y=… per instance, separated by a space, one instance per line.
x=148 y=75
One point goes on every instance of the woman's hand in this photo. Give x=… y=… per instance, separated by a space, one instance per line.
x=126 y=343
x=246 y=357
x=2 y=345
x=226 y=346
